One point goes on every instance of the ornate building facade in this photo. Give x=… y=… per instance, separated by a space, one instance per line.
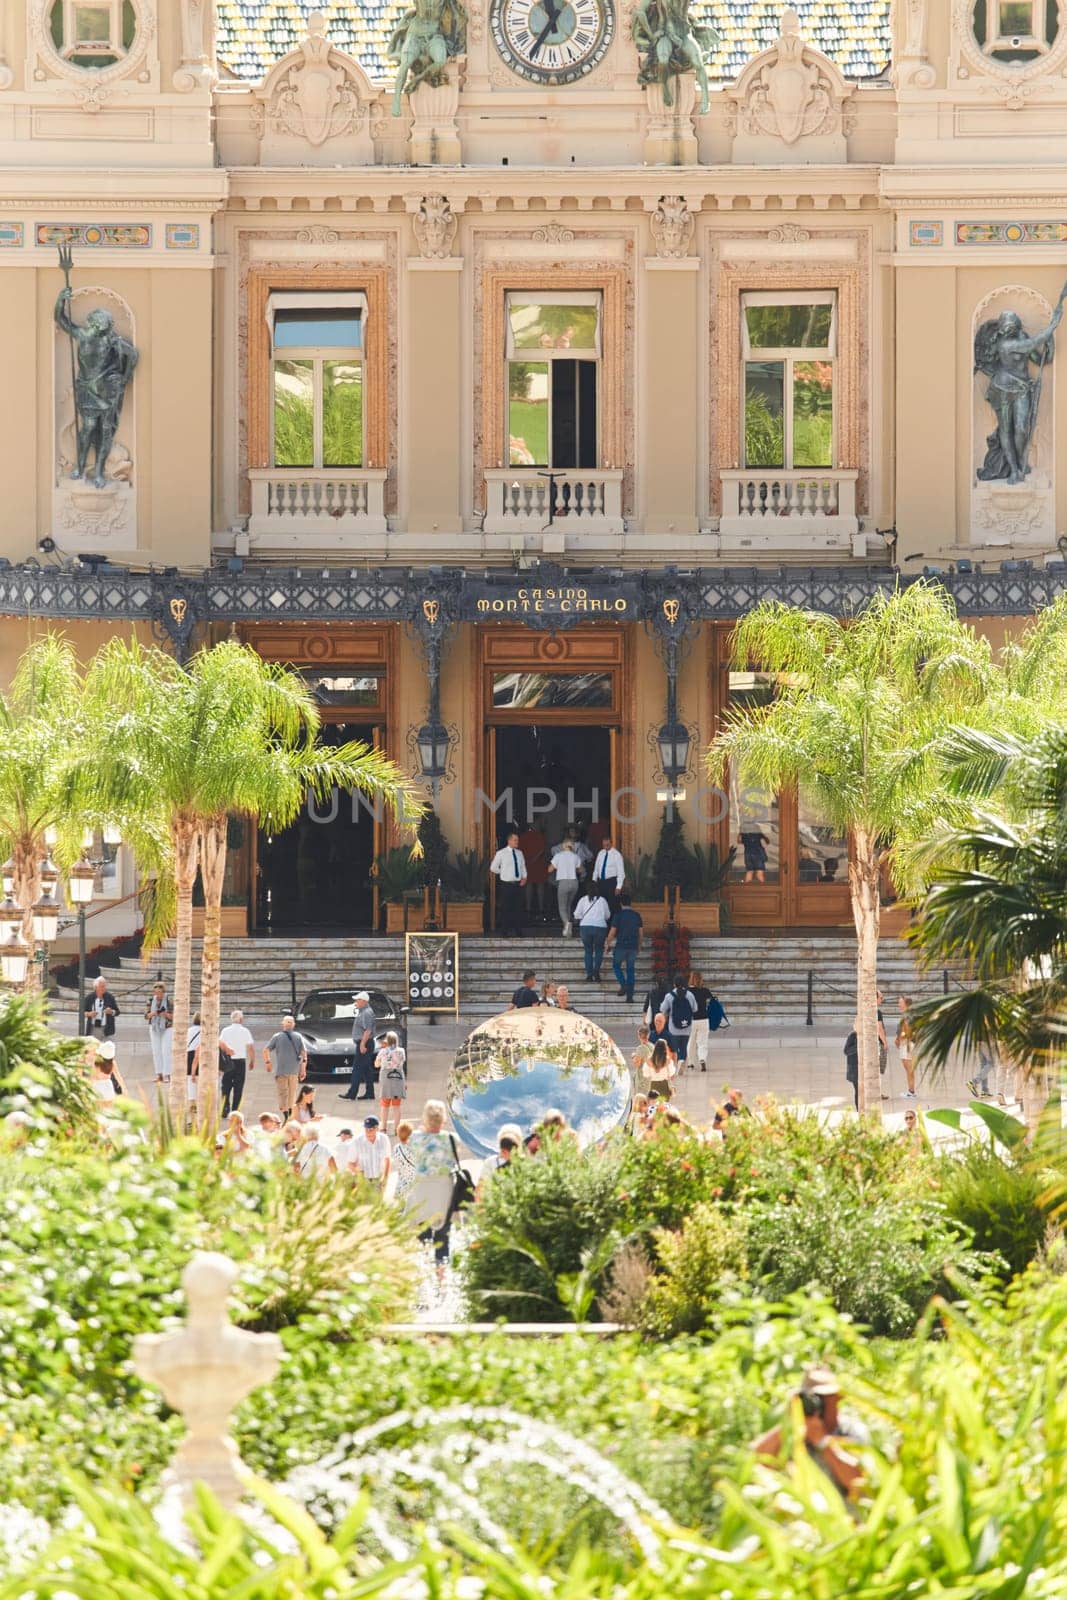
x=491 y=358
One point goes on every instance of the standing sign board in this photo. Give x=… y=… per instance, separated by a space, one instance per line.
x=432 y=965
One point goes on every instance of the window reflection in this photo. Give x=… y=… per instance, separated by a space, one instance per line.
x=754 y=813
x=527 y=690
x=822 y=850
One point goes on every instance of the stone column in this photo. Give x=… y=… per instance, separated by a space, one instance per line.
x=669 y=377
x=431 y=452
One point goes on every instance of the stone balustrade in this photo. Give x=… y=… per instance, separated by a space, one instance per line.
x=526 y=500
x=768 y=508
x=320 y=508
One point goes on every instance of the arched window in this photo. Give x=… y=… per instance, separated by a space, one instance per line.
x=1016 y=30
x=93 y=33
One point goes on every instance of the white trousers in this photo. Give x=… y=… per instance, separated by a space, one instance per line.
x=698 y=1041
x=159 y=1038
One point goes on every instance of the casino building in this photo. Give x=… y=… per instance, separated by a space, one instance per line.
x=491 y=398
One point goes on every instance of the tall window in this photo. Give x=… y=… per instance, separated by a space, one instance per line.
x=1016 y=30
x=317 y=377
x=788 y=353
x=553 y=347
x=93 y=33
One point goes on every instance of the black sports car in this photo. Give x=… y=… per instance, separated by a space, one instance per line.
x=325 y=1020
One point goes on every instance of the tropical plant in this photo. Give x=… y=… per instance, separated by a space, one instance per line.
x=44 y=726
x=189 y=746
x=996 y=904
x=707 y=872
x=465 y=875
x=41 y=1073
x=997 y=1199
x=860 y=705
x=397 y=873
x=640 y=877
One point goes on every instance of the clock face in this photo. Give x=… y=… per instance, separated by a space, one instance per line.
x=553 y=41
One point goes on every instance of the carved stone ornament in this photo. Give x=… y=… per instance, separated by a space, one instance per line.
x=317 y=93
x=197 y=68
x=672 y=227
x=791 y=91
x=969 y=58
x=552 y=233
x=913 y=70
x=789 y=233
x=93 y=86
x=435 y=227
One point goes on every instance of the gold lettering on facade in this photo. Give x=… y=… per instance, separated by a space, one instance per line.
x=620 y=605
x=671 y=609
x=178 y=608
x=483 y=605
x=431 y=611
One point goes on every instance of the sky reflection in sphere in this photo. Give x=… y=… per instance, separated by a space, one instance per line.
x=519 y=1065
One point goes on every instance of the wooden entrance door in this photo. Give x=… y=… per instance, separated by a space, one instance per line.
x=789 y=870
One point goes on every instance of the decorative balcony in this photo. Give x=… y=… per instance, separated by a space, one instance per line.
x=764 y=508
x=315 y=508
x=586 y=500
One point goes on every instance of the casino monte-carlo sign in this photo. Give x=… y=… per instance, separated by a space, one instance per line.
x=554 y=601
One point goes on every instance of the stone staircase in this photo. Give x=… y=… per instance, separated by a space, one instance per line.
x=761 y=979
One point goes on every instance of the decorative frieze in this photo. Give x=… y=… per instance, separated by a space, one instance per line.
x=1013 y=233
x=94 y=235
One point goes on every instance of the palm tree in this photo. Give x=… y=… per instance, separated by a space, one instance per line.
x=191 y=746
x=41 y=726
x=998 y=902
x=861 y=704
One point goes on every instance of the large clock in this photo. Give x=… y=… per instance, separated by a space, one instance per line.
x=552 y=41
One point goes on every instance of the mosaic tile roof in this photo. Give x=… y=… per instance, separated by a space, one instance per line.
x=254 y=34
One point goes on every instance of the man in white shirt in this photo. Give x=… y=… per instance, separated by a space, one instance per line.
x=567 y=865
x=609 y=872
x=592 y=914
x=369 y=1154
x=237 y=1054
x=314 y=1157
x=509 y=868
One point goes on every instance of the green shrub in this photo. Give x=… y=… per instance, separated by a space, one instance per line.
x=40 y=1072
x=878 y=1258
x=538 y=1226
x=997 y=1201
x=686 y=1294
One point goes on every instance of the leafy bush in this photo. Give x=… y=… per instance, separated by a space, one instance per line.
x=40 y=1072
x=997 y=1201
x=536 y=1228
x=687 y=1294
x=878 y=1258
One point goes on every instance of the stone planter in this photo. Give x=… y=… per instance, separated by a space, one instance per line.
x=464 y=916
x=651 y=913
x=234 y=922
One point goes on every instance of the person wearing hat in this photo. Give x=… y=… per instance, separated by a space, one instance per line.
x=363 y=1020
x=826 y=1432
x=369 y=1154
x=105 y=1076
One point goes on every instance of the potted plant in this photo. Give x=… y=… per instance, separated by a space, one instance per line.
x=463 y=885
x=397 y=875
x=650 y=906
x=701 y=888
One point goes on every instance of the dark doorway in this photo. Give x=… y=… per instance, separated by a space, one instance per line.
x=315 y=874
x=556 y=775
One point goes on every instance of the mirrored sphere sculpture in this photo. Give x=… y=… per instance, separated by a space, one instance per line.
x=519 y=1065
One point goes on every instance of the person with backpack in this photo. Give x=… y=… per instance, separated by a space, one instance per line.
x=679 y=1007
x=698 y=1040
x=392 y=1079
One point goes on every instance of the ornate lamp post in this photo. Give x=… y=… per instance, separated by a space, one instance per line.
x=81 y=880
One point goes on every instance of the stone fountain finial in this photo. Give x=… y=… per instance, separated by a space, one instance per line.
x=205 y=1369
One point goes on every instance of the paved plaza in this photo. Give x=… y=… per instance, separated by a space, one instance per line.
x=800 y=1065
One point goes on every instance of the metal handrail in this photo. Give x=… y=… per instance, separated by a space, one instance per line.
x=947 y=978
